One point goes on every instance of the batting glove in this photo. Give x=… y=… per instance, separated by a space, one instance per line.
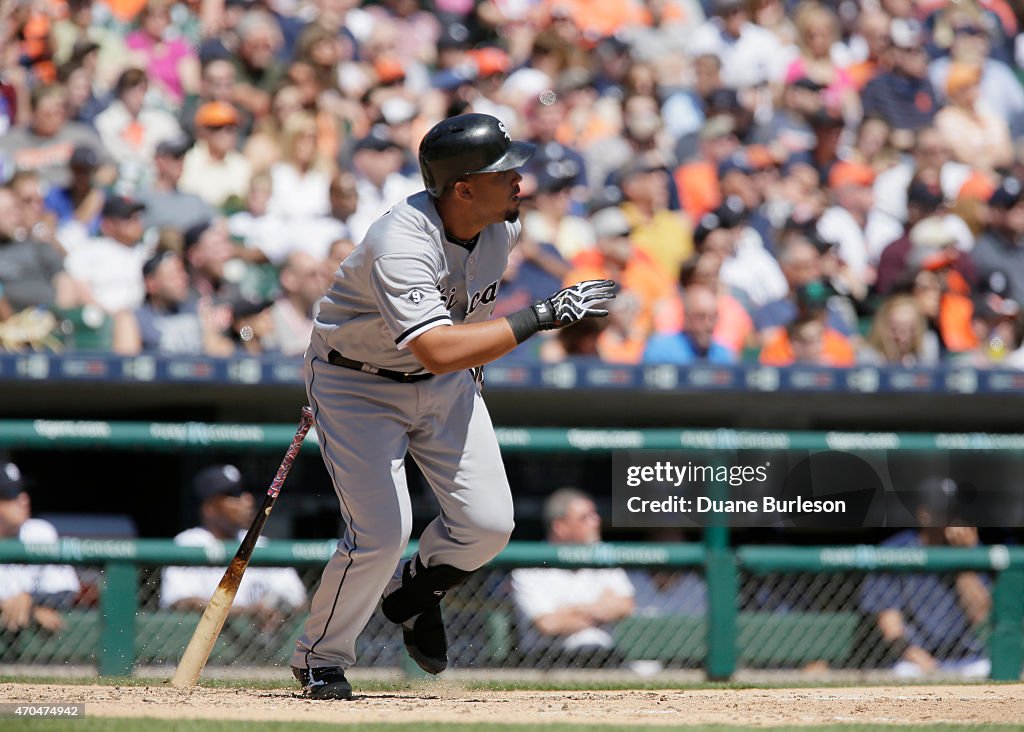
x=568 y=306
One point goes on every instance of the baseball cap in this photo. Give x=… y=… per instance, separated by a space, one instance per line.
x=728 y=215
x=848 y=173
x=720 y=7
x=905 y=33
x=378 y=140
x=1008 y=194
x=243 y=308
x=153 y=263
x=216 y=114
x=734 y=163
x=489 y=60
x=610 y=222
x=11 y=482
x=217 y=480
x=638 y=166
x=174 y=148
x=553 y=168
x=120 y=207
x=453 y=35
x=924 y=194
x=84 y=157
x=932 y=240
x=193 y=233
x=388 y=70
x=397 y=110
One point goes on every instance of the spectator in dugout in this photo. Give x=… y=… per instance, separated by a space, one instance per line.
x=568 y=615
x=929 y=623
x=266 y=594
x=30 y=594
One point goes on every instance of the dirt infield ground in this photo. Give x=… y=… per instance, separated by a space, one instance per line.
x=445 y=702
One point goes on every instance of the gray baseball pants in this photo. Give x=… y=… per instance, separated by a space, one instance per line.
x=365 y=425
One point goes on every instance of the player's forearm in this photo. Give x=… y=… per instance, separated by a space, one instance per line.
x=456 y=347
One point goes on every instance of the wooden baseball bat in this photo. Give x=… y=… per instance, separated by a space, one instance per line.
x=198 y=650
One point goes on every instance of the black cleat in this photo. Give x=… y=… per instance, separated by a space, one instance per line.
x=426 y=642
x=326 y=682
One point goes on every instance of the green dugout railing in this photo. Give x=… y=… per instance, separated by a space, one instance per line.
x=175 y=436
x=121 y=559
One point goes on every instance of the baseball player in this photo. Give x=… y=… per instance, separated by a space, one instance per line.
x=391 y=369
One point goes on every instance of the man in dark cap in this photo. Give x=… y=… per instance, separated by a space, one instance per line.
x=169 y=321
x=1000 y=248
x=225 y=511
x=929 y=621
x=31 y=592
x=903 y=96
x=166 y=205
x=377 y=163
x=109 y=266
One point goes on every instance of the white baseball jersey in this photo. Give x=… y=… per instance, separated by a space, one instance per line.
x=37 y=579
x=273 y=586
x=405 y=278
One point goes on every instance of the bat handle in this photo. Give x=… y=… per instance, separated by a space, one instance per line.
x=305 y=422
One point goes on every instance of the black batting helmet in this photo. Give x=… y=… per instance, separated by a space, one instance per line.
x=468 y=143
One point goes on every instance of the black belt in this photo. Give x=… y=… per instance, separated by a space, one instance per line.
x=337 y=359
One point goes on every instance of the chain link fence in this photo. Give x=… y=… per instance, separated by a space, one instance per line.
x=785 y=620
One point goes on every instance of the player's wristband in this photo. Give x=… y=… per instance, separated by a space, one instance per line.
x=524 y=323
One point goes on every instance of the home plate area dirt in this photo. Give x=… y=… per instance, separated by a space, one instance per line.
x=445 y=702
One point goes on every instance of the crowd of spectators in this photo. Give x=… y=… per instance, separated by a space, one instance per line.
x=769 y=181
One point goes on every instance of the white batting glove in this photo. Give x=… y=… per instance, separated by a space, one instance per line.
x=568 y=306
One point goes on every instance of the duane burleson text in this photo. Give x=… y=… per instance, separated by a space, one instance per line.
x=702 y=504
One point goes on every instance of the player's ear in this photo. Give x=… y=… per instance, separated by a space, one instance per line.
x=462 y=189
